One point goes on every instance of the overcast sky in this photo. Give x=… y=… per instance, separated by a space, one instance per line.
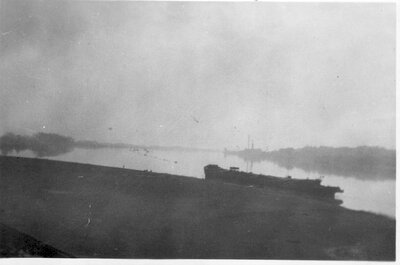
x=200 y=74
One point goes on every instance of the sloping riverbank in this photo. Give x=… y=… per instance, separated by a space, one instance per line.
x=103 y=212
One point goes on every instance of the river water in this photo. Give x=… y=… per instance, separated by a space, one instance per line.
x=377 y=196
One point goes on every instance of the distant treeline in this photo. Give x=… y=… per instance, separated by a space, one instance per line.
x=95 y=145
x=364 y=161
x=51 y=144
x=48 y=144
x=41 y=144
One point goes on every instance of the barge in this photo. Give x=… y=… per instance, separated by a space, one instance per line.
x=308 y=187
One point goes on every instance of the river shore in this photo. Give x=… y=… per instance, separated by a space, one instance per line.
x=91 y=211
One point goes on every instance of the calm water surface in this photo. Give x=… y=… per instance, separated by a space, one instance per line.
x=376 y=196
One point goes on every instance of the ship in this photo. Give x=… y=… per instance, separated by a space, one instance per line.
x=248 y=154
x=306 y=187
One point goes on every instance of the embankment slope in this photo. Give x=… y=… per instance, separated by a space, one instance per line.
x=102 y=212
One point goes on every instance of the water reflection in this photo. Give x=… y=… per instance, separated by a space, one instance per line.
x=377 y=194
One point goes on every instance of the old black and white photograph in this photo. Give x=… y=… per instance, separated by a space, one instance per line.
x=171 y=130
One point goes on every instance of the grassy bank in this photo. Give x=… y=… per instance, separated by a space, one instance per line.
x=94 y=211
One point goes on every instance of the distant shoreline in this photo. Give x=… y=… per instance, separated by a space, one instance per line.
x=362 y=162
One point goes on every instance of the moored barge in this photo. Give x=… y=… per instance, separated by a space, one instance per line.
x=309 y=187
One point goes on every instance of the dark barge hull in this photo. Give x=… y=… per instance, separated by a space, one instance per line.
x=309 y=187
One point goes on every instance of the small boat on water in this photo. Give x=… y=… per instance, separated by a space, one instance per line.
x=310 y=187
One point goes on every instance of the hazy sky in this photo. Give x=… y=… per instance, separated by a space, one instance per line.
x=200 y=74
